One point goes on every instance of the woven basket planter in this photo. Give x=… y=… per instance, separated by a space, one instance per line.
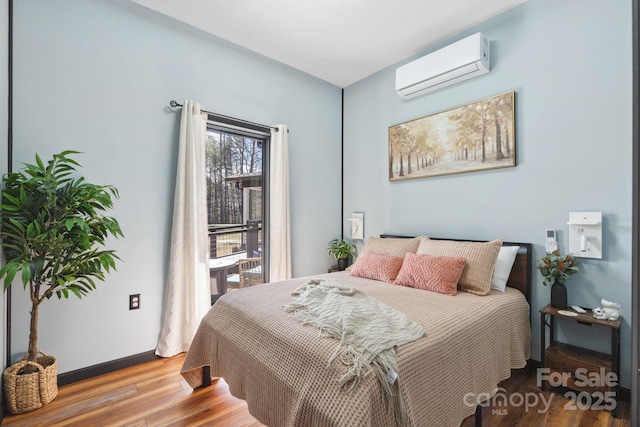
x=26 y=392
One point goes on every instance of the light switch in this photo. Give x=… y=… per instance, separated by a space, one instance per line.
x=357 y=225
x=585 y=234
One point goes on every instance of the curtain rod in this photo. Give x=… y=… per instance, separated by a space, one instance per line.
x=174 y=104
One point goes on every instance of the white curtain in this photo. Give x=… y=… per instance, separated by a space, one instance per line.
x=279 y=227
x=188 y=289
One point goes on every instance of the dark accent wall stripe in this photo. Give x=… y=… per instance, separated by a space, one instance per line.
x=10 y=90
x=635 y=226
x=342 y=166
x=7 y=294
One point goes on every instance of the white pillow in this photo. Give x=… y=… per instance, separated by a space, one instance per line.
x=502 y=270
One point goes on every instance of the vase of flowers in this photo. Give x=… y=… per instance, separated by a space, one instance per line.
x=557 y=269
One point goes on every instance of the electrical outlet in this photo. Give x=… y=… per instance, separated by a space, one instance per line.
x=134 y=302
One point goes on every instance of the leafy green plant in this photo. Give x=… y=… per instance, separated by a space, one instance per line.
x=341 y=249
x=554 y=266
x=51 y=225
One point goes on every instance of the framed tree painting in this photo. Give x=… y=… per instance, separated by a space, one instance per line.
x=473 y=137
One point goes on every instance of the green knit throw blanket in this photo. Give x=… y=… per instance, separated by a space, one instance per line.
x=367 y=329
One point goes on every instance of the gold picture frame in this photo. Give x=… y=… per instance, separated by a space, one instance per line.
x=473 y=137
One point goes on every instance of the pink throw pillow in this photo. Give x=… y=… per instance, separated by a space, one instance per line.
x=377 y=266
x=432 y=273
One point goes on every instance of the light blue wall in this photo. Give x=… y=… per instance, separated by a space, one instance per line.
x=97 y=76
x=569 y=63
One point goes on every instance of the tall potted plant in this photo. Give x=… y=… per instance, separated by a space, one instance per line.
x=342 y=251
x=51 y=229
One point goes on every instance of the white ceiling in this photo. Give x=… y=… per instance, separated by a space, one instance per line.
x=340 y=41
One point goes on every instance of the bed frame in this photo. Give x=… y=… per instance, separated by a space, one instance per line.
x=520 y=278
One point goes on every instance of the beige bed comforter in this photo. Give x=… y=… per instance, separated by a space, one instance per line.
x=280 y=366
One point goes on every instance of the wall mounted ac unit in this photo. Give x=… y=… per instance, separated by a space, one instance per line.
x=462 y=60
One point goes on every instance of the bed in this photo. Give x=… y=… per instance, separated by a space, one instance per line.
x=279 y=366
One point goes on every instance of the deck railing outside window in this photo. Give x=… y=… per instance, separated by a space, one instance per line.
x=235 y=241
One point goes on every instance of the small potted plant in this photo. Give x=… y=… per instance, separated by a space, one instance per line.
x=342 y=251
x=557 y=269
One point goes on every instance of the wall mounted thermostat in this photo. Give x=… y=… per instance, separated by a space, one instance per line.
x=552 y=242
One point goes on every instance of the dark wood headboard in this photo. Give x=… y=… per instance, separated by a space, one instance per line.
x=522 y=271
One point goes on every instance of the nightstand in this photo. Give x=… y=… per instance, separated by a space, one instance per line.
x=332 y=269
x=565 y=359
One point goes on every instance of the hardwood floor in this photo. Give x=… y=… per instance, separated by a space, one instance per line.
x=150 y=394
x=154 y=394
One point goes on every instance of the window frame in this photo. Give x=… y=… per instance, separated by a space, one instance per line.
x=242 y=128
